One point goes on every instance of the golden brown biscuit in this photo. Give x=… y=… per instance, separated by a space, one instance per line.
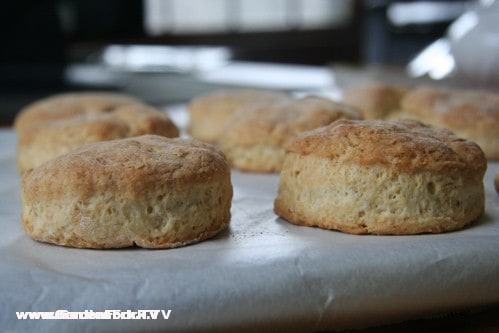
x=471 y=114
x=40 y=143
x=376 y=101
x=150 y=191
x=382 y=177
x=208 y=113
x=68 y=105
x=253 y=138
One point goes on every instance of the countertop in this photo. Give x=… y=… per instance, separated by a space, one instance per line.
x=261 y=274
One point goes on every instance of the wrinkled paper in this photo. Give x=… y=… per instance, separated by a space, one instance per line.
x=261 y=272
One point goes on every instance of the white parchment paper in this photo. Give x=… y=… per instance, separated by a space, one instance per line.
x=261 y=273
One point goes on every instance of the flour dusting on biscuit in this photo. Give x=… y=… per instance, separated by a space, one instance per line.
x=148 y=191
x=382 y=177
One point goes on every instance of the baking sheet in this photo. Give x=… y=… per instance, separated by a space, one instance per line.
x=261 y=273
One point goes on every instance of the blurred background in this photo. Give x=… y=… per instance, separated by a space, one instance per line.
x=170 y=50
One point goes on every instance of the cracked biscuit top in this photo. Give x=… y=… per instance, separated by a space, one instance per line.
x=405 y=145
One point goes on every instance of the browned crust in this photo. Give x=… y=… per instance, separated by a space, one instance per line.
x=440 y=225
x=50 y=138
x=127 y=166
x=136 y=170
x=276 y=123
x=208 y=112
x=123 y=121
x=376 y=100
x=164 y=242
x=409 y=146
x=456 y=109
x=66 y=105
x=472 y=114
x=230 y=100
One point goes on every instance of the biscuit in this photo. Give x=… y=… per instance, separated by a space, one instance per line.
x=68 y=105
x=149 y=191
x=376 y=101
x=382 y=177
x=208 y=113
x=40 y=143
x=253 y=138
x=471 y=114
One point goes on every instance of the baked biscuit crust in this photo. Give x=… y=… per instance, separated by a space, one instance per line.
x=68 y=105
x=376 y=100
x=253 y=138
x=150 y=191
x=207 y=113
x=380 y=177
x=472 y=114
x=40 y=143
